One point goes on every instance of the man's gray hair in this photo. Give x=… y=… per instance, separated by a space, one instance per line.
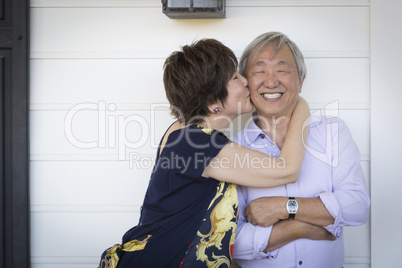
x=263 y=41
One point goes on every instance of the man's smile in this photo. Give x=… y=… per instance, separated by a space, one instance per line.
x=271 y=95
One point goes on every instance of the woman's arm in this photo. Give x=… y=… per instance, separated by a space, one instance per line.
x=243 y=166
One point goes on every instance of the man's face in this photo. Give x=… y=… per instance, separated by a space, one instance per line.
x=273 y=82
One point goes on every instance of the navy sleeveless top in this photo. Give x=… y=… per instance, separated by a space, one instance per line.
x=187 y=220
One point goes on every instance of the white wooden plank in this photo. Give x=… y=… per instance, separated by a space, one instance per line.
x=357 y=241
x=157 y=3
x=113 y=81
x=100 y=30
x=164 y=54
x=317 y=3
x=120 y=135
x=343 y=80
x=88 y=186
x=78 y=235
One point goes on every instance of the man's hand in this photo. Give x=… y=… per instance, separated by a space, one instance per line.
x=266 y=211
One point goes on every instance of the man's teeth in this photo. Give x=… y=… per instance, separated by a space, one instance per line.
x=271 y=96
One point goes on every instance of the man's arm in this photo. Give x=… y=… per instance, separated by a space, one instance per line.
x=286 y=231
x=256 y=242
x=311 y=215
x=266 y=211
x=347 y=205
x=349 y=202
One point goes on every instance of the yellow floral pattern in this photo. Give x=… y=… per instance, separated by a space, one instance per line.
x=206 y=130
x=111 y=258
x=223 y=219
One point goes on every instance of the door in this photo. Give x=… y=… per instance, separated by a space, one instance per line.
x=14 y=190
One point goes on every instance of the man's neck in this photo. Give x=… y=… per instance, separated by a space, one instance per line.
x=274 y=127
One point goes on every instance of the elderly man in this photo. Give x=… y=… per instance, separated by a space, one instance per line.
x=300 y=224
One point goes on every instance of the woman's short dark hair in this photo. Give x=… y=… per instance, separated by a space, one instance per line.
x=197 y=77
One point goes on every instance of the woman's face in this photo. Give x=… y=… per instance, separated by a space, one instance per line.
x=238 y=99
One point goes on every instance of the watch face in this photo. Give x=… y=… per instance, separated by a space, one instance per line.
x=292 y=206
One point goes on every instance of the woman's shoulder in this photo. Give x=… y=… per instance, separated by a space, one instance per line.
x=173 y=127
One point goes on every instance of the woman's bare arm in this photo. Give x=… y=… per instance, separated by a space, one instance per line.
x=243 y=166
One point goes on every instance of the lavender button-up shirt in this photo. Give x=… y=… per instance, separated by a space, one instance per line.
x=331 y=170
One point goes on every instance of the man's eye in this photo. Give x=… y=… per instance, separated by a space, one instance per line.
x=258 y=72
x=283 y=71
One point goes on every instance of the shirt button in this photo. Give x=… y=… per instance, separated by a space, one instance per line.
x=300 y=262
x=262 y=136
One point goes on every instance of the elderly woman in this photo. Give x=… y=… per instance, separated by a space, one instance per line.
x=189 y=214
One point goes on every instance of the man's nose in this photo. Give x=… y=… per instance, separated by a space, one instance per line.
x=271 y=80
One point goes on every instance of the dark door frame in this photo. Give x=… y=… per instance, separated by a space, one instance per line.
x=14 y=134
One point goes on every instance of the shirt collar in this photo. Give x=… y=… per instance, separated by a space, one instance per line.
x=252 y=131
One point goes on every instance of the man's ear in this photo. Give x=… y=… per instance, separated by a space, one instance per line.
x=301 y=84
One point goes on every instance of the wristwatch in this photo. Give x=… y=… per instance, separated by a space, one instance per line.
x=292 y=207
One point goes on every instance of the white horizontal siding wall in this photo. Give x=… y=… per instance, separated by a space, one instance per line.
x=386 y=132
x=98 y=107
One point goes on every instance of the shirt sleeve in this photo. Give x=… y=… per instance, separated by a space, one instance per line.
x=349 y=202
x=250 y=240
